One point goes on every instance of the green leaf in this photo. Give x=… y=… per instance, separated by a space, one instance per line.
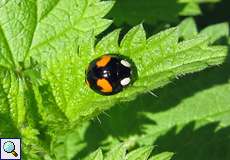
x=157 y=43
x=53 y=42
x=204 y=103
x=32 y=33
x=140 y=153
x=193 y=110
x=215 y=32
x=188 y=29
x=6 y=58
x=63 y=25
x=117 y=153
x=188 y=56
x=9 y=130
x=18 y=23
x=163 y=156
x=133 y=12
x=165 y=120
x=97 y=155
x=109 y=42
x=44 y=7
x=16 y=111
x=191 y=9
x=169 y=60
x=134 y=40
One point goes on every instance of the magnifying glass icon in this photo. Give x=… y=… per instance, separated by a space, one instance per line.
x=9 y=147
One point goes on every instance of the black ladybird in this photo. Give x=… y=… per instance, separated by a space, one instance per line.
x=109 y=74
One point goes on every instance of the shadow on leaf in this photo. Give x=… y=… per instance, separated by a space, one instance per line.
x=126 y=119
x=134 y=11
x=202 y=143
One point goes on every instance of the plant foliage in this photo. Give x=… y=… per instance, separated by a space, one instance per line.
x=45 y=47
x=153 y=12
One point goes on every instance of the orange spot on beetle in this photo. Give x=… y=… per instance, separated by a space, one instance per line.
x=105 y=85
x=103 y=61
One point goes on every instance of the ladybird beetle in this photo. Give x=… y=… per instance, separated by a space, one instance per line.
x=109 y=74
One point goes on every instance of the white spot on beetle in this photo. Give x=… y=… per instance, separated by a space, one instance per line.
x=125 y=81
x=125 y=63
